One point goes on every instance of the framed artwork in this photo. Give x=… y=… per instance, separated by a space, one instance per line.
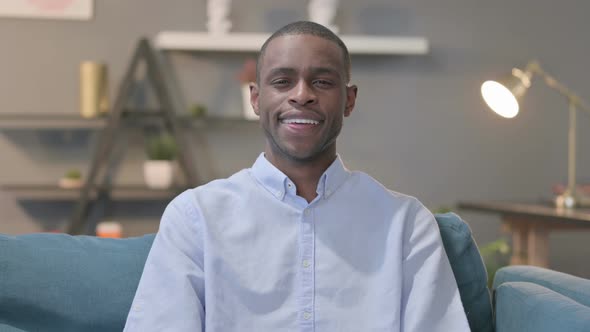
x=56 y=9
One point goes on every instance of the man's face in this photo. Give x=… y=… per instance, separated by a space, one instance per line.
x=302 y=97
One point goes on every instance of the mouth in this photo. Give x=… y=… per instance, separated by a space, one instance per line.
x=300 y=126
x=299 y=121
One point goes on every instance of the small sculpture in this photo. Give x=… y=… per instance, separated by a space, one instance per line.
x=217 y=16
x=323 y=12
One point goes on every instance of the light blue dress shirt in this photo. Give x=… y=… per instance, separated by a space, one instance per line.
x=247 y=254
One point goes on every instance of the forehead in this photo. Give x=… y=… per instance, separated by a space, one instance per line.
x=302 y=51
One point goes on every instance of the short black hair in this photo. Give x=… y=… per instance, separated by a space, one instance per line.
x=306 y=28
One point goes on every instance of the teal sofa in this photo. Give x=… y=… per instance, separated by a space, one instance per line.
x=57 y=282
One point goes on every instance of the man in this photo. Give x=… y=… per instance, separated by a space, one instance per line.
x=298 y=242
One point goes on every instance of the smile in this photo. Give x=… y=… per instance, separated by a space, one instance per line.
x=300 y=121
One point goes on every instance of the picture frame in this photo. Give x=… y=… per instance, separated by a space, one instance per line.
x=47 y=9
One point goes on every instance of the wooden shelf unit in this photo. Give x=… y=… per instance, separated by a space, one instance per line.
x=172 y=104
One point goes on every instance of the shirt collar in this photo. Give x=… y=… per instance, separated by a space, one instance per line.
x=275 y=181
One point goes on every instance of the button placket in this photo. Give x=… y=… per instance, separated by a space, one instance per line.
x=307 y=270
x=306 y=263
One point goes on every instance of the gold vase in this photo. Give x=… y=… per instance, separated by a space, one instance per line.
x=94 y=99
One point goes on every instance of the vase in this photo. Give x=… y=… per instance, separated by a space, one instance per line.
x=94 y=99
x=158 y=174
x=248 y=110
x=109 y=229
x=68 y=183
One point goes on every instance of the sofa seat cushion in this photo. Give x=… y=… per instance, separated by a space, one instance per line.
x=525 y=306
x=58 y=282
x=578 y=289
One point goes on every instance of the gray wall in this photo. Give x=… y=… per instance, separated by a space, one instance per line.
x=420 y=126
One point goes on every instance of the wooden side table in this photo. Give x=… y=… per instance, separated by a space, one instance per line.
x=530 y=226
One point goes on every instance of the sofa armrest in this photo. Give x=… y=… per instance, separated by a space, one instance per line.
x=578 y=289
x=469 y=270
x=8 y=328
x=524 y=306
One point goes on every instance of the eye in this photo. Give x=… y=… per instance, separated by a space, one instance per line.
x=279 y=82
x=321 y=83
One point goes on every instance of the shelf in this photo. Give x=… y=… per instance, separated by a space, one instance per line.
x=33 y=121
x=54 y=193
x=48 y=121
x=251 y=42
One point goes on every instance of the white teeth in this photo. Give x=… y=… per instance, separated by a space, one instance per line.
x=301 y=121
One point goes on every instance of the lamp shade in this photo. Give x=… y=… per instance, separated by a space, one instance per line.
x=503 y=96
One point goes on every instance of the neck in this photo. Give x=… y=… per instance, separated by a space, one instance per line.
x=304 y=174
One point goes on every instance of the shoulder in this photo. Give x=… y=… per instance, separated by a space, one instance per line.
x=240 y=179
x=403 y=210
x=215 y=187
x=188 y=210
x=367 y=186
x=212 y=193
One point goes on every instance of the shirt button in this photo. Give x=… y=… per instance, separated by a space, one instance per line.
x=289 y=185
x=307 y=212
x=306 y=263
x=306 y=315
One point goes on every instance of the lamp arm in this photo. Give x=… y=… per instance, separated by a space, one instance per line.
x=569 y=198
x=574 y=99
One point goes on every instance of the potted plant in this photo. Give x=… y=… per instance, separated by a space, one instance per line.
x=495 y=255
x=72 y=179
x=158 y=170
x=198 y=111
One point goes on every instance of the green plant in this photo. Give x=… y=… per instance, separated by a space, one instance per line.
x=198 y=110
x=73 y=174
x=441 y=210
x=495 y=255
x=161 y=147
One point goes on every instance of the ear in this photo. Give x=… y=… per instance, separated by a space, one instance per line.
x=351 y=92
x=254 y=93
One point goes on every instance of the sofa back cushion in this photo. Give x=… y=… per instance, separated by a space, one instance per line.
x=57 y=282
x=469 y=270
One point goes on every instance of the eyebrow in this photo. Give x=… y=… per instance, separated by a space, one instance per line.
x=282 y=71
x=324 y=70
x=292 y=71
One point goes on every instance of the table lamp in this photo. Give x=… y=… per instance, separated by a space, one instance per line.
x=503 y=97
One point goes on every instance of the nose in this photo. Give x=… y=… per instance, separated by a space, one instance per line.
x=302 y=94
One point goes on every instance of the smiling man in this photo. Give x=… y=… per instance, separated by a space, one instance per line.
x=298 y=242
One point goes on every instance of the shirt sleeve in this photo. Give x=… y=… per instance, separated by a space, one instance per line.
x=170 y=295
x=431 y=300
